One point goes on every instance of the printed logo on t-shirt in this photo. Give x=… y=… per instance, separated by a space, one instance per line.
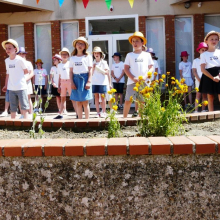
x=138 y=59
x=64 y=68
x=214 y=58
x=116 y=66
x=78 y=63
x=11 y=65
x=186 y=65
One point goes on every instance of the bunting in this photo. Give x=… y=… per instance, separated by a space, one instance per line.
x=85 y=3
x=60 y=2
x=108 y=3
x=38 y=1
x=131 y=2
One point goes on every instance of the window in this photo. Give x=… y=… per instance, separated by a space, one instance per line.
x=69 y=32
x=212 y=23
x=156 y=39
x=43 y=48
x=16 y=32
x=183 y=39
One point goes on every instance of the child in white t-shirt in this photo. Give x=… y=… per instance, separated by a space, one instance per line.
x=118 y=78
x=210 y=67
x=81 y=76
x=196 y=68
x=137 y=63
x=185 y=68
x=100 y=78
x=16 y=68
x=155 y=67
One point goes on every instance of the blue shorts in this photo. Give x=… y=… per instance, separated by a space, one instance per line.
x=7 y=96
x=80 y=94
x=99 y=89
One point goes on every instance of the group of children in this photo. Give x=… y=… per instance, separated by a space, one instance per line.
x=81 y=75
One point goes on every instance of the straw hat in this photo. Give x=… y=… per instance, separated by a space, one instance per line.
x=22 y=50
x=81 y=39
x=98 y=50
x=201 y=45
x=57 y=56
x=11 y=41
x=39 y=61
x=65 y=50
x=138 y=34
x=212 y=33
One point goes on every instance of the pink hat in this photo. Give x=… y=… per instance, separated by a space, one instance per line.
x=184 y=54
x=57 y=56
x=201 y=45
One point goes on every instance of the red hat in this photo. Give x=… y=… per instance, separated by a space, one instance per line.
x=184 y=54
x=201 y=45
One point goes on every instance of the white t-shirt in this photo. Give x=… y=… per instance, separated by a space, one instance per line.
x=40 y=76
x=154 y=69
x=196 y=65
x=138 y=64
x=186 y=68
x=15 y=69
x=64 y=70
x=55 y=75
x=117 y=68
x=29 y=83
x=211 y=59
x=80 y=64
x=98 y=78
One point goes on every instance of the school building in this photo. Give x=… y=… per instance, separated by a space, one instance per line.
x=170 y=26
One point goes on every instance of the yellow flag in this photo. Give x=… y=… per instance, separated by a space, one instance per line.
x=131 y=2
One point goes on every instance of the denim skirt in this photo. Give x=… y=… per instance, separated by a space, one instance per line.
x=81 y=94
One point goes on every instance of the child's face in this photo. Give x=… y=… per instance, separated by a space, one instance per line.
x=116 y=58
x=80 y=45
x=212 y=40
x=65 y=56
x=10 y=49
x=39 y=65
x=23 y=55
x=97 y=55
x=202 y=50
x=185 y=58
x=55 y=61
x=137 y=43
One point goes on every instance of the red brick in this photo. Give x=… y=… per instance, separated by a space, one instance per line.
x=210 y=115
x=27 y=123
x=70 y=123
x=2 y=122
x=194 y=117
x=9 y=122
x=202 y=116
x=217 y=114
x=132 y=121
x=74 y=147
x=3 y=143
x=181 y=145
x=138 y=145
x=58 y=123
x=17 y=122
x=204 y=145
x=94 y=122
x=216 y=139
x=117 y=146
x=82 y=123
x=55 y=147
x=96 y=147
x=160 y=145
x=122 y=121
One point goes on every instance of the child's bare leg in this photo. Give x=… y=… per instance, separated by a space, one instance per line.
x=97 y=102
x=25 y=113
x=63 y=99
x=75 y=106
x=136 y=106
x=210 y=102
x=121 y=98
x=7 y=106
x=30 y=104
x=116 y=97
x=126 y=110
x=110 y=104
x=103 y=104
x=204 y=98
x=198 y=97
x=58 y=99
x=79 y=109
x=13 y=115
x=86 y=109
x=190 y=94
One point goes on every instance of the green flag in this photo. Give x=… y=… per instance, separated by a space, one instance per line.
x=108 y=3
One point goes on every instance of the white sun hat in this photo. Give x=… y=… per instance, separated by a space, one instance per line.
x=81 y=39
x=65 y=50
x=11 y=41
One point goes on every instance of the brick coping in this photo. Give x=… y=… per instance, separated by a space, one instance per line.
x=95 y=122
x=179 y=145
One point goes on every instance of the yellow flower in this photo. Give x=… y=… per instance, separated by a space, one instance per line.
x=166 y=85
x=162 y=109
x=197 y=89
x=113 y=90
x=178 y=91
x=137 y=84
x=173 y=82
x=147 y=95
x=155 y=73
x=109 y=92
x=161 y=80
x=103 y=95
x=156 y=81
x=150 y=89
x=200 y=105
x=149 y=74
x=135 y=89
x=112 y=100
x=175 y=88
x=168 y=73
x=205 y=103
x=163 y=76
x=174 y=94
x=182 y=80
x=173 y=78
x=197 y=101
x=131 y=98
x=148 y=81
x=115 y=107
x=140 y=78
x=177 y=82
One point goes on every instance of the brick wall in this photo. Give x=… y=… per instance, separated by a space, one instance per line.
x=142 y=24
x=3 y=55
x=55 y=37
x=170 y=44
x=82 y=27
x=198 y=20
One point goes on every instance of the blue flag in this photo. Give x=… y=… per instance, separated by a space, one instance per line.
x=61 y=2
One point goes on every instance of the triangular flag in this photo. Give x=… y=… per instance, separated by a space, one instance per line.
x=131 y=3
x=108 y=3
x=85 y=3
x=38 y=1
x=61 y=2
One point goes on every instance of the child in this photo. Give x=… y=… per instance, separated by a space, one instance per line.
x=40 y=80
x=186 y=73
x=15 y=79
x=210 y=66
x=155 y=67
x=7 y=104
x=196 y=68
x=137 y=63
x=28 y=77
x=118 y=78
x=54 y=78
x=100 y=78
x=64 y=81
x=81 y=76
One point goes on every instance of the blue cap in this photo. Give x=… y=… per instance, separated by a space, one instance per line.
x=21 y=50
x=116 y=54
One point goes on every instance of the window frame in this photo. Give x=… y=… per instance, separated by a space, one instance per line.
x=15 y=25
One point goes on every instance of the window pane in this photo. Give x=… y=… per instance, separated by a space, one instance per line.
x=43 y=43
x=70 y=32
x=212 y=23
x=17 y=33
x=112 y=26
x=183 y=40
x=124 y=47
x=155 y=40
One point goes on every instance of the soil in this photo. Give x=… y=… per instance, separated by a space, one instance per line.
x=195 y=129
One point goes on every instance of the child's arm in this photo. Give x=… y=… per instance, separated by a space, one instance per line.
x=122 y=74
x=113 y=75
x=216 y=79
x=156 y=70
x=109 y=79
x=4 y=89
x=26 y=71
x=46 y=80
x=31 y=74
x=73 y=86
x=195 y=74
x=88 y=84
x=181 y=74
x=129 y=74
x=59 y=84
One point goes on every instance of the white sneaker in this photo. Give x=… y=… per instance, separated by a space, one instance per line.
x=40 y=110
x=30 y=116
x=4 y=114
x=195 y=112
x=22 y=116
x=97 y=115
x=65 y=112
x=103 y=115
x=36 y=110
